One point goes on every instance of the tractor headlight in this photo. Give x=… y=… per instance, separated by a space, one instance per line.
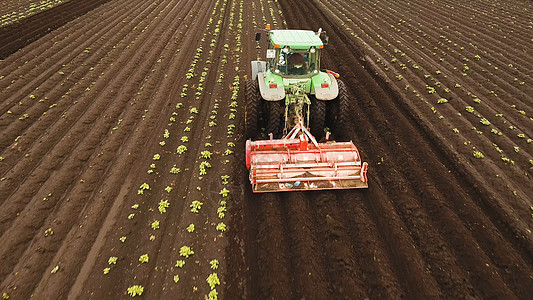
x=312 y=50
x=315 y=71
x=286 y=49
x=276 y=71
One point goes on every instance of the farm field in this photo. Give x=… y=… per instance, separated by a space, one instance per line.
x=122 y=157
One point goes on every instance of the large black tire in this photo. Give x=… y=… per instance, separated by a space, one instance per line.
x=252 y=105
x=276 y=118
x=341 y=114
x=317 y=118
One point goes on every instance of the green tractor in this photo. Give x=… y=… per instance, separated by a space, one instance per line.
x=293 y=102
x=290 y=86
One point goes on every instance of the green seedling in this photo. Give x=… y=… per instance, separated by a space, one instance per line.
x=196 y=206
x=155 y=225
x=214 y=264
x=135 y=290
x=143 y=258
x=180 y=263
x=213 y=280
x=186 y=251
x=478 y=154
x=224 y=192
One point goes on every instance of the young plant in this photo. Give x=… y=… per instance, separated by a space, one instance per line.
x=196 y=206
x=163 y=205
x=225 y=179
x=221 y=227
x=214 y=264
x=213 y=280
x=186 y=251
x=213 y=295
x=484 y=121
x=478 y=154
x=180 y=263
x=143 y=187
x=206 y=154
x=224 y=192
x=143 y=258
x=175 y=170
x=155 y=225
x=203 y=167
x=181 y=149
x=221 y=211
x=135 y=290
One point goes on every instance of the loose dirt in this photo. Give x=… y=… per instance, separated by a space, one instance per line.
x=94 y=115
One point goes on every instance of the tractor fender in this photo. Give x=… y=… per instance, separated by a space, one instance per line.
x=258 y=66
x=326 y=93
x=268 y=93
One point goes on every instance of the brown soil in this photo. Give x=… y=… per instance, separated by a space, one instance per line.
x=86 y=108
x=25 y=30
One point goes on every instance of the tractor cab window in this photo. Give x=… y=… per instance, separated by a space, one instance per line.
x=296 y=63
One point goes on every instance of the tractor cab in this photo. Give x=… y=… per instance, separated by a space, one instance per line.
x=293 y=62
x=294 y=53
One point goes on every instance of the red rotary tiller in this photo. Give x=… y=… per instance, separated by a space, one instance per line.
x=298 y=162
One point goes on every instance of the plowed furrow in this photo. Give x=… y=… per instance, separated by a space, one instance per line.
x=308 y=254
x=85 y=113
x=426 y=232
x=92 y=141
x=368 y=244
x=27 y=30
x=345 y=277
x=273 y=253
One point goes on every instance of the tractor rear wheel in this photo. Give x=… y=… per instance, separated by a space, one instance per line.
x=275 y=119
x=317 y=118
x=251 y=109
x=341 y=112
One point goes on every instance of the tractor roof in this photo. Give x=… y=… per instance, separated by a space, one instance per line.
x=296 y=39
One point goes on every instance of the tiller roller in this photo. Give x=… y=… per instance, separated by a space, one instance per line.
x=298 y=162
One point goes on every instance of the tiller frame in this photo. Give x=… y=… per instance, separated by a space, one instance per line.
x=298 y=162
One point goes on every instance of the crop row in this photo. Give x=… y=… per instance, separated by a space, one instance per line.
x=13 y=13
x=197 y=139
x=443 y=77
